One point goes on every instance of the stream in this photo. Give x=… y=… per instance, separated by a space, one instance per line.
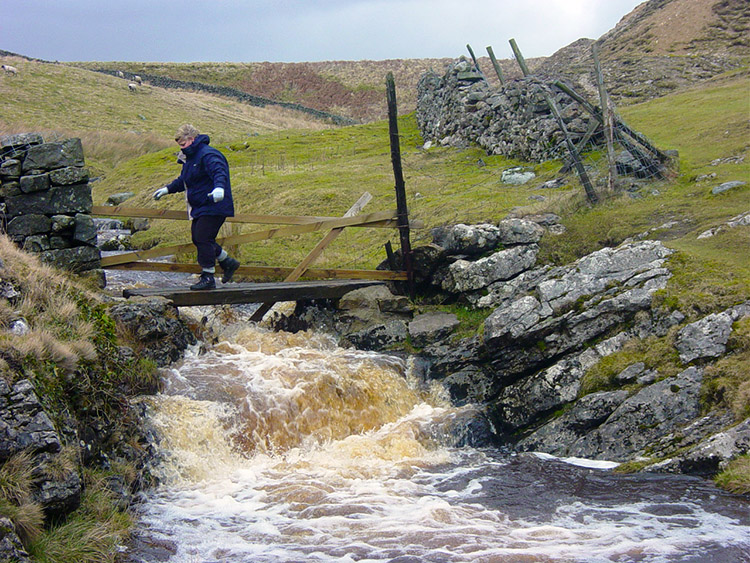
x=279 y=447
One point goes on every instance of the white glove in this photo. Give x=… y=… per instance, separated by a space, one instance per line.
x=217 y=195
x=161 y=192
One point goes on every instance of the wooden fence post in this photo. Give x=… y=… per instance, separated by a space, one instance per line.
x=496 y=65
x=519 y=57
x=587 y=186
x=401 y=208
x=473 y=58
x=609 y=133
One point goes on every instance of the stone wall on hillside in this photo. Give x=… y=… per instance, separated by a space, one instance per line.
x=45 y=200
x=461 y=108
x=226 y=91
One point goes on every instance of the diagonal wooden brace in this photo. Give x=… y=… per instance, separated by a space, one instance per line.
x=315 y=253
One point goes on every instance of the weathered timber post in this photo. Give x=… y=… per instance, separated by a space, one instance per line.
x=473 y=58
x=587 y=186
x=609 y=133
x=496 y=65
x=620 y=130
x=519 y=57
x=402 y=218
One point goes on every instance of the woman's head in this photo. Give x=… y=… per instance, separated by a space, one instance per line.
x=185 y=135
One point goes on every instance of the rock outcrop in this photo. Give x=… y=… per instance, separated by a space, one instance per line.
x=547 y=327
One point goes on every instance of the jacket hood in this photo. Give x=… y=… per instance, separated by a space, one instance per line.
x=199 y=141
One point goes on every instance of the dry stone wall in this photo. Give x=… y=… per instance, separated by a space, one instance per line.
x=461 y=108
x=45 y=200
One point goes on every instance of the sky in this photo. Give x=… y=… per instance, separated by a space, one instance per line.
x=297 y=30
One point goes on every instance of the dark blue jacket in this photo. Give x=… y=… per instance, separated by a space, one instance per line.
x=205 y=168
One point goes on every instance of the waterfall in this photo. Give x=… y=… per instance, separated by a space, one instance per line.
x=278 y=447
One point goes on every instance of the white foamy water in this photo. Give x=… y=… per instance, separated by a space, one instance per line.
x=285 y=448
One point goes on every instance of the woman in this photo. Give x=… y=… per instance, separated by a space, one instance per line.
x=205 y=179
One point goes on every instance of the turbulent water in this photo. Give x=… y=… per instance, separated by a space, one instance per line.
x=285 y=448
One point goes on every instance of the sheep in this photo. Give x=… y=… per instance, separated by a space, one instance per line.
x=10 y=69
x=120 y=74
x=132 y=86
x=138 y=79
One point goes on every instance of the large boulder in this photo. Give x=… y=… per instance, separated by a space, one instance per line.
x=710 y=456
x=526 y=401
x=11 y=548
x=641 y=419
x=629 y=264
x=467 y=239
x=503 y=265
x=707 y=338
x=585 y=415
x=428 y=328
x=24 y=425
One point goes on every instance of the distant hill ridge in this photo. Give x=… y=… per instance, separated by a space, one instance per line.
x=659 y=47
x=166 y=82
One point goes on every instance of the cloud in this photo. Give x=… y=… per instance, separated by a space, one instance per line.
x=297 y=30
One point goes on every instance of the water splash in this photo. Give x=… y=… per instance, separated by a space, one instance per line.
x=281 y=447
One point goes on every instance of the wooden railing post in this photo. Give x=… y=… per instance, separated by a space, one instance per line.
x=519 y=57
x=608 y=121
x=496 y=65
x=584 y=177
x=402 y=216
x=473 y=58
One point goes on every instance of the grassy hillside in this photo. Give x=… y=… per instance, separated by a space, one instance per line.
x=353 y=89
x=323 y=172
x=116 y=124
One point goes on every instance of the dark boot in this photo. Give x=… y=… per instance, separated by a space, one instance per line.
x=229 y=265
x=206 y=282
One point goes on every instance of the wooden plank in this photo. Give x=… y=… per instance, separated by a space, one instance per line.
x=267 y=271
x=358 y=221
x=315 y=253
x=254 y=292
x=121 y=211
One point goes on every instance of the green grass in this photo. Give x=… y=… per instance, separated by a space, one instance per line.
x=736 y=477
x=91 y=534
x=323 y=173
x=116 y=124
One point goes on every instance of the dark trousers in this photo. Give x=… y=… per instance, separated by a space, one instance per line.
x=204 y=229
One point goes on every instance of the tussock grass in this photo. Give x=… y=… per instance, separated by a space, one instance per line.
x=657 y=353
x=736 y=477
x=726 y=383
x=91 y=534
x=49 y=303
x=16 y=504
x=69 y=354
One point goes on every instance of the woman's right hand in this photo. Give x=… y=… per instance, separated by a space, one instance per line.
x=160 y=193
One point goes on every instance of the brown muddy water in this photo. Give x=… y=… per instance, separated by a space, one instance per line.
x=278 y=447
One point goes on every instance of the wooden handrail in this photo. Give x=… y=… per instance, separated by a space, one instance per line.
x=364 y=220
x=267 y=271
x=146 y=213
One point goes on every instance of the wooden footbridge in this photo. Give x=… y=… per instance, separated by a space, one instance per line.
x=330 y=283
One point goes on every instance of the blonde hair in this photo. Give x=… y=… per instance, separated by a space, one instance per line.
x=185 y=131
